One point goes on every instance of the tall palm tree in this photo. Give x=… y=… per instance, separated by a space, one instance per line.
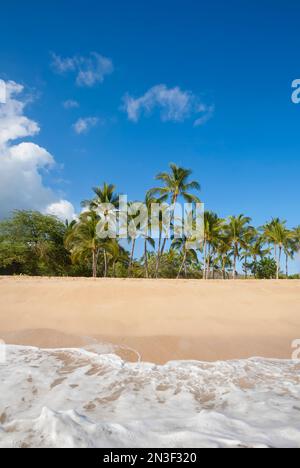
x=105 y=195
x=175 y=184
x=223 y=253
x=132 y=237
x=296 y=236
x=277 y=234
x=147 y=238
x=257 y=250
x=83 y=240
x=213 y=226
x=187 y=252
x=162 y=234
x=116 y=254
x=290 y=248
x=237 y=229
x=249 y=240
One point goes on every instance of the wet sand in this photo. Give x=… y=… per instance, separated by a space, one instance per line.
x=157 y=321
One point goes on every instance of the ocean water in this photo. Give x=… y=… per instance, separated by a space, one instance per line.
x=79 y=398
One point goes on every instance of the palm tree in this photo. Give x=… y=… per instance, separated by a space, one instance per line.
x=213 y=226
x=278 y=235
x=151 y=242
x=237 y=230
x=290 y=248
x=296 y=235
x=132 y=237
x=83 y=240
x=185 y=246
x=147 y=238
x=256 y=250
x=249 y=239
x=104 y=195
x=116 y=254
x=223 y=250
x=175 y=184
x=162 y=230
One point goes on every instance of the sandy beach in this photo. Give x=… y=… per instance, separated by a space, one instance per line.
x=158 y=321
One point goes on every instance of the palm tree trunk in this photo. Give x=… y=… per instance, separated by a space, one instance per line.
x=185 y=269
x=94 y=263
x=146 y=259
x=208 y=263
x=158 y=255
x=224 y=269
x=255 y=266
x=234 y=266
x=163 y=247
x=105 y=263
x=182 y=265
x=205 y=259
x=279 y=262
x=287 y=265
x=132 y=257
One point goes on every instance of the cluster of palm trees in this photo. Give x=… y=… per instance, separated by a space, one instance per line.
x=233 y=240
x=228 y=244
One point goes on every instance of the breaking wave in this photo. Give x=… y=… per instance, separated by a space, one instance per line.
x=77 y=398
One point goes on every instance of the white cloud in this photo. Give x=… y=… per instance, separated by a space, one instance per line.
x=84 y=125
x=63 y=210
x=2 y=92
x=174 y=105
x=71 y=104
x=89 y=70
x=22 y=164
x=208 y=113
x=13 y=123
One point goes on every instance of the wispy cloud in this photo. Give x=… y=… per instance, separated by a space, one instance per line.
x=173 y=104
x=207 y=114
x=84 y=125
x=89 y=70
x=71 y=104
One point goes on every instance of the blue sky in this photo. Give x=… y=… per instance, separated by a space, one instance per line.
x=233 y=61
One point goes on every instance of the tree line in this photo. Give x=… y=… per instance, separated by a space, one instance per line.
x=32 y=243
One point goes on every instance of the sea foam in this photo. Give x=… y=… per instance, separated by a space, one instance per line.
x=77 y=398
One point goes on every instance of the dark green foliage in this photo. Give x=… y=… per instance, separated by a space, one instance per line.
x=33 y=244
x=265 y=269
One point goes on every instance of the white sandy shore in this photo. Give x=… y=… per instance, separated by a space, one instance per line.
x=158 y=320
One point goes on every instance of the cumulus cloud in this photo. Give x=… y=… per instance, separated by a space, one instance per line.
x=2 y=92
x=84 y=125
x=62 y=210
x=71 y=104
x=173 y=104
x=22 y=164
x=89 y=70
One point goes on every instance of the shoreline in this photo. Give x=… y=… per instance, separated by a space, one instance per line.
x=158 y=320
